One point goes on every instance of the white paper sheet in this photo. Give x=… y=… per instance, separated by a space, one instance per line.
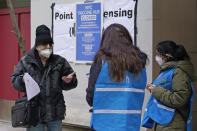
x=32 y=88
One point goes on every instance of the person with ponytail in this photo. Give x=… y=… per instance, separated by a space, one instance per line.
x=170 y=104
x=117 y=82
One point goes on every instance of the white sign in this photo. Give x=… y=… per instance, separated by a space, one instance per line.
x=63 y=31
x=120 y=11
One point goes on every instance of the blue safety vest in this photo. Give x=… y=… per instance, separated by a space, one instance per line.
x=156 y=111
x=117 y=106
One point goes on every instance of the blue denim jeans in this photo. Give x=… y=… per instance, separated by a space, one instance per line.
x=51 y=126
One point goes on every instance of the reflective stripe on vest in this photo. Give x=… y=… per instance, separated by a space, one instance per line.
x=118 y=111
x=163 y=106
x=120 y=89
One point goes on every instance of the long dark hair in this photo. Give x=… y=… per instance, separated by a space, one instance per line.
x=173 y=52
x=117 y=49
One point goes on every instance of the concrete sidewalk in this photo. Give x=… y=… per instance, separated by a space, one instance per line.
x=7 y=126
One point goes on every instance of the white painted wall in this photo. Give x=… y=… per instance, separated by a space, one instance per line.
x=77 y=108
x=145 y=37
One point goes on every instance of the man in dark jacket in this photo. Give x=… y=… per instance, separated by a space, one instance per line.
x=52 y=73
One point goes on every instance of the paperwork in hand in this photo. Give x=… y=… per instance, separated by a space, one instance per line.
x=32 y=88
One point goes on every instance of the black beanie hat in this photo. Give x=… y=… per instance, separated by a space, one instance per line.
x=43 y=35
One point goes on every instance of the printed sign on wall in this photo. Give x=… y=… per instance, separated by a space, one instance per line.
x=63 y=31
x=122 y=12
x=88 y=18
x=88 y=30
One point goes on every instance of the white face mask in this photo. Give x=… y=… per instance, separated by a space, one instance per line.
x=159 y=60
x=46 y=53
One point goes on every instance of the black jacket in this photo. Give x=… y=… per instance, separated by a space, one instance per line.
x=51 y=99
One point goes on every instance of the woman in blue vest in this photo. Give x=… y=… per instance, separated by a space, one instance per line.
x=117 y=82
x=169 y=105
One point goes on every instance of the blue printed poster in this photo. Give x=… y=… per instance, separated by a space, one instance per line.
x=88 y=30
